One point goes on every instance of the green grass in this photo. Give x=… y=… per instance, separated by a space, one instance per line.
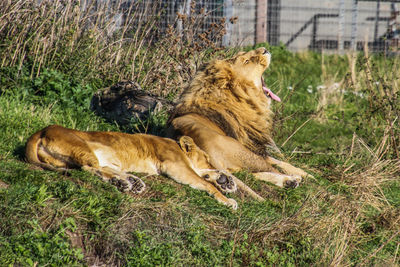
x=48 y=218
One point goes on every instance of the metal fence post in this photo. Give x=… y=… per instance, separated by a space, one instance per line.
x=228 y=14
x=354 y=14
x=261 y=21
x=376 y=29
x=341 y=26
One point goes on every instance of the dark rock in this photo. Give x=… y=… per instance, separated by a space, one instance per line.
x=125 y=101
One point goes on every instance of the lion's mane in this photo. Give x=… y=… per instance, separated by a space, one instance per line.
x=239 y=108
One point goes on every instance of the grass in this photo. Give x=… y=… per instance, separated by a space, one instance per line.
x=338 y=119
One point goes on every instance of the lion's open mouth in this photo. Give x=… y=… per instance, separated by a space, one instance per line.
x=268 y=92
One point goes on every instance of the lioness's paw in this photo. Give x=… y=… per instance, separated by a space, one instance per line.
x=121 y=184
x=222 y=181
x=132 y=183
x=137 y=185
x=226 y=183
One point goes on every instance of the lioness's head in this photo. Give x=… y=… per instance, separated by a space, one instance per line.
x=197 y=156
x=251 y=65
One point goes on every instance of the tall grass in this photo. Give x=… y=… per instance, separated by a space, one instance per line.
x=83 y=39
x=105 y=41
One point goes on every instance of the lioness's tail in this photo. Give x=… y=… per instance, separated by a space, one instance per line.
x=31 y=148
x=31 y=153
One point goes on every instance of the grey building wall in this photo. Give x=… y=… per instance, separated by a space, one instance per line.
x=294 y=15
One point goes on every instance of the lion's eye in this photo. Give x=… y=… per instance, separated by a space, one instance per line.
x=246 y=61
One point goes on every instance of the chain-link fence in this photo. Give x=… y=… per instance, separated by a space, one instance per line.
x=329 y=25
x=324 y=24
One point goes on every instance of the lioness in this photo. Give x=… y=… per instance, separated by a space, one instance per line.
x=111 y=155
x=226 y=110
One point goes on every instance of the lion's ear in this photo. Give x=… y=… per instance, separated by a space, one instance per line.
x=187 y=144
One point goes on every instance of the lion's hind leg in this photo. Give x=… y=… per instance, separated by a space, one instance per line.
x=281 y=180
x=287 y=167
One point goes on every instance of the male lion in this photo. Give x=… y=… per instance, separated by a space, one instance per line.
x=111 y=155
x=226 y=110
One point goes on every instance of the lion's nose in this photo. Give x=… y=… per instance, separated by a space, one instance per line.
x=266 y=51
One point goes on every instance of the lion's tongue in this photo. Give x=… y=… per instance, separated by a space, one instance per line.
x=269 y=93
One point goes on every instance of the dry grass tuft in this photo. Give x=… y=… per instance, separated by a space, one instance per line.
x=341 y=229
x=380 y=84
x=110 y=41
x=340 y=218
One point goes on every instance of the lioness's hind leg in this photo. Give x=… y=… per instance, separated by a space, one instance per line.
x=138 y=186
x=281 y=180
x=132 y=183
x=123 y=181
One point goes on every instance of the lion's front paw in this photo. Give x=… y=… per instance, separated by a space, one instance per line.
x=137 y=185
x=232 y=203
x=294 y=171
x=301 y=173
x=292 y=181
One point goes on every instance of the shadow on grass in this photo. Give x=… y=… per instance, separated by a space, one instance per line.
x=19 y=153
